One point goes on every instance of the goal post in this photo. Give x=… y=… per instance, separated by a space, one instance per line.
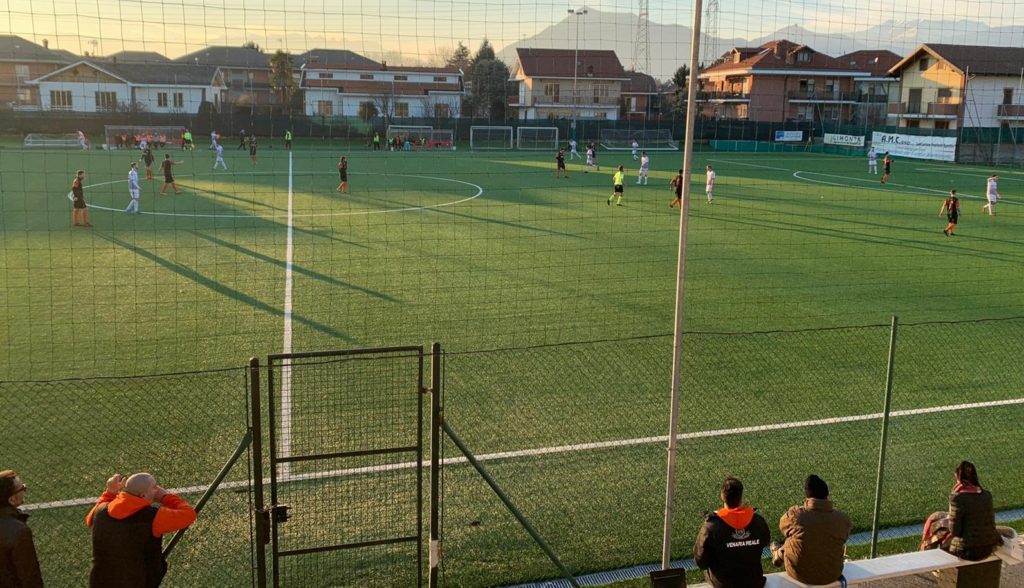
x=537 y=138
x=484 y=137
x=647 y=139
x=441 y=139
x=132 y=136
x=52 y=141
x=412 y=132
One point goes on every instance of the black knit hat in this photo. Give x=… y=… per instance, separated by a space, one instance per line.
x=815 y=487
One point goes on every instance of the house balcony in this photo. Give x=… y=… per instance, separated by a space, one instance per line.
x=799 y=96
x=1010 y=111
x=872 y=98
x=584 y=101
x=946 y=110
x=721 y=97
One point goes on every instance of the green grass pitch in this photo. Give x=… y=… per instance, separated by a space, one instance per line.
x=488 y=250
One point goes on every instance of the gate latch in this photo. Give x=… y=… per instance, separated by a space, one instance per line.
x=280 y=513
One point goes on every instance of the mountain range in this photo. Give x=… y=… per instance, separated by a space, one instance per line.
x=670 y=44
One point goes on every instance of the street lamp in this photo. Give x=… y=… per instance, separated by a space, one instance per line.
x=575 y=67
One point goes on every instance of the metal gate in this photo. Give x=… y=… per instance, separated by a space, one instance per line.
x=346 y=467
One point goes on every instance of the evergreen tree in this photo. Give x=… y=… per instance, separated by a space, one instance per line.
x=460 y=59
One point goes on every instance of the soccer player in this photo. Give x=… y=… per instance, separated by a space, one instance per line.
x=133 y=189
x=872 y=161
x=288 y=140
x=617 y=187
x=376 y=141
x=645 y=168
x=241 y=140
x=951 y=208
x=677 y=187
x=709 y=187
x=83 y=141
x=886 y=168
x=572 y=150
x=590 y=159
x=252 y=148
x=560 y=170
x=166 y=166
x=991 y=194
x=343 y=174
x=147 y=158
x=220 y=158
x=593 y=148
x=78 y=200
x=213 y=140
x=635 y=147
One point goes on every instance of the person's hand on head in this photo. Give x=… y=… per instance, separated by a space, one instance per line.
x=114 y=484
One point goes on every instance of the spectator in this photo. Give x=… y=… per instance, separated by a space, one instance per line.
x=730 y=543
x=815 y=537
x=968 y=530
x=127 y=529
x=19 y=566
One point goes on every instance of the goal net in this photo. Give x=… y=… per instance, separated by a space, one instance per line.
x=537 y=138
x=481 y=137
x=441 y=139
x=132 y=136
x=65 y=141
x=647 y=139
x=413 y=133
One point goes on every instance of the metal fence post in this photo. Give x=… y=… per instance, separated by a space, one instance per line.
x=886 y=410
x=435 y=464
x=262 y=521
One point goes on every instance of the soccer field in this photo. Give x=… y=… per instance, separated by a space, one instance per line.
x=489 y=251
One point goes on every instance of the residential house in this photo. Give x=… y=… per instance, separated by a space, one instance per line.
x=21 y=61
x=343 y=83
x=640 y=97
x=246 y=72
x=780 y=81
x=88 y=86
x=876 y=89
x=955 y=86
x=554 y=83
x=151 y=57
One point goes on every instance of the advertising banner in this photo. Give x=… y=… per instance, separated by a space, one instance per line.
x=844 y=140
x=789 y=135
x=918 y=147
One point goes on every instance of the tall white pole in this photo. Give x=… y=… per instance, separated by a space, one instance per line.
x=677 y=339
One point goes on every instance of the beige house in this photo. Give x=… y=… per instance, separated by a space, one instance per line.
x=564 y=83
x=956 y=86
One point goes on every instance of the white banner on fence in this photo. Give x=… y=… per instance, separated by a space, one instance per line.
x=919 y=147
x=789 y=135
x=844 y=140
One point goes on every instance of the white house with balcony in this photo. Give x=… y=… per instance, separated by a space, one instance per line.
x=564 y=83
x=87 y=86
x=959 y=86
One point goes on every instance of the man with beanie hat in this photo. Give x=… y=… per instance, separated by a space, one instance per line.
x=19 y=566
x=815 y=535
x=730 y=543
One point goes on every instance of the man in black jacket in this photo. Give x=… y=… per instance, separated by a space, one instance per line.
x=19 y=567
x=730 y=543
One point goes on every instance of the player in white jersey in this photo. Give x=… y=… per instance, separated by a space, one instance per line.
x=220 y=158
x=590 y=159
x=645 y=167
x=572 y=150
x=133 y=189
x=213 y=140
x=82 y=141
x=710 y=186
x=872 y=161
x=635 y=147
x=991 y=195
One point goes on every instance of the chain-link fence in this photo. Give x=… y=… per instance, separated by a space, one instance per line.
x=574 y=435
x=65 y=438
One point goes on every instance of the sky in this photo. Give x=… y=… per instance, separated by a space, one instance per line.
x=425 y=32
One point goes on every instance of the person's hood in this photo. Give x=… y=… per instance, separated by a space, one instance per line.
x=737 y=518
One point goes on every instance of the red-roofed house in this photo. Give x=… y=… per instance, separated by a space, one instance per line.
x=549 y=78
x=640 y=97
x=877 y=88
x=780 y=81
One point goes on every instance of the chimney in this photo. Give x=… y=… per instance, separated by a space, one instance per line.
x=46 y=44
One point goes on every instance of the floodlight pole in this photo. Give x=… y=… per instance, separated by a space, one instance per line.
x=575 y=66
x=677 y=332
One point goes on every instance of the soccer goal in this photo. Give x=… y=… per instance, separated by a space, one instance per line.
x=648 y=139
x=441 y=139
x=65 y=141
x=537 y=138
x=132 y=136
x=413 y=133
x=481 y=137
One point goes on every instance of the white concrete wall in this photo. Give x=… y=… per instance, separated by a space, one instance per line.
x=148 y=97
x=313 y=74
x=984 y=95
x=348 y=104
x=83 y=95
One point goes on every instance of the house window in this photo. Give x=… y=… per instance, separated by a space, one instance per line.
x=24 y=95
x=106 y=101
x=366 y=76
x=803 y=57
x=942 y=124
x=401 y=109
x=807 y=87
x=442 y=111
x=161 y=99
x=401 y=78
x=923 y=64
x=913 y=124
x=324 y=108
x=179 y=100
x=21 y=72
x=1007 y=95
x=805 y=112
x=440 y=79
x=325 y=76
x=552 y=91
x=60 y=100
x=600 y=93
x=944 y=95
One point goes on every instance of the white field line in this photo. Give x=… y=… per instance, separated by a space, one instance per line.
x=286 y=344
x=574 y=448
